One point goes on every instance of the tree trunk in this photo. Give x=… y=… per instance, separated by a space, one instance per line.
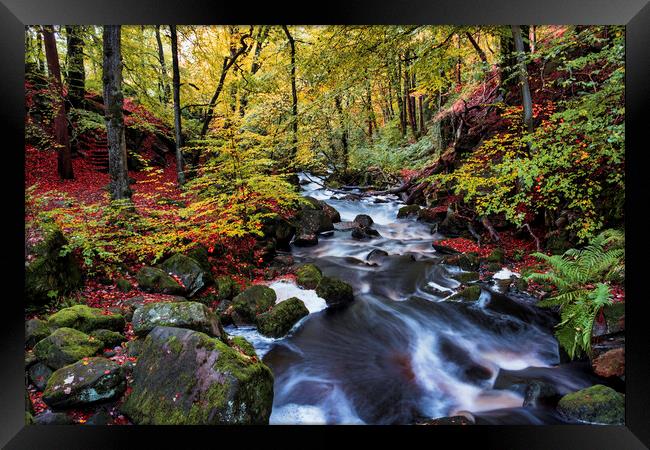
x=400 y=99
x=113 y=104
x=479 y=51
x=344 y=133
x=164 y=85
x=523 y=78
x=409 y=100
x=507 y=59
x=294 y=95
x=262 y=34
x=76 y=72
x=176 y=82
x=423 y=128
x=532 y=37
x=64 y=156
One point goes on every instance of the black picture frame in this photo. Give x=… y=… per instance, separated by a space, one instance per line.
x=635 y=14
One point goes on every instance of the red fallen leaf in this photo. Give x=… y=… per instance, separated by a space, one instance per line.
x=107 y=372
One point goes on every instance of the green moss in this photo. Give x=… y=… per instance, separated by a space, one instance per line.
x=597 y=404
x=283 y=316
x=227 y=288
x=254 y=300
x=465 y=277
x=123 y=285
x=497 y=255
x=308 y=276
x=334 y=291
x=108 y=337
x=243 y=345
x=84 y=318
x=470 y=293
x=408 y=210
x=65 y=346
x=153 y=279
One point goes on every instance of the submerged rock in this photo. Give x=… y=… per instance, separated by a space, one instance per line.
x=363 y=220
x=191 y=315
x=376 y=255
x=184 y=377
x=85 y=318
x=335 y=292
x=363 y=233
x=308 y=276
x=193 y=276
x=153 y=279
x=84 y=382
x=597 y=404
x=253 y=301
x=281 y=318
x=65 y=346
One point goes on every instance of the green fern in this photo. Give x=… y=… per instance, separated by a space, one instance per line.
x=579 y=277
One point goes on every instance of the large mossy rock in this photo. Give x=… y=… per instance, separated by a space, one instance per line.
x=201 y=255
x=191 y=315
x=314 y=217
x=153 y=279
x=86 y=319
x=66 y=346
x=47 y=272
x=108 y=337
x=308 y=276
x=597 y=404
x=192 y=275
x=227 y=288
x=84 y=382
x=335 y=292
x=408 y=211
x=469 y=294
x=184 y=377
x=277 y=322
x=35 y=330
x=253 y=301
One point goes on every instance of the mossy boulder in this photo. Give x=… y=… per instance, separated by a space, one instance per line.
x=465 y=277
x=190 y=315
x=200 y=254
x=497 y=255
x=84 y=382
x=108 y=337
x=408 y=211
x=335 y=292
x=35 y=330
x=66 y=346
x=470 y=294
x=331 y=212
x=466 y=261
x=185 y=377
x=39 y=373
x=597 y=404
x=190 y=272
x=241 y=344
x=123 y=285
x=47 y=271
x=227 y=288
x=85 y=318
x=253 y=301
x=153 y=279
x=308 y=276
x=277 y=322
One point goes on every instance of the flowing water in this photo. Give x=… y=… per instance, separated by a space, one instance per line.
x=400 y=352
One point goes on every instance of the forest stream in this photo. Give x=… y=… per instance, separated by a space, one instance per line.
x=401 y=353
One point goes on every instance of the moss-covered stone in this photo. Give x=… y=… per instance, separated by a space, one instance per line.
x=493 y=267
x=466 y=261
x=190 y=272
x=470 y=294
x=184 y=377
x=153 y=279
x=497 y=255
x=408 y=211
x=253 y=301
x=200 y=254
x=65 y=346
x=109 y=338
x=190 y=315
x=123 y=285
x=335 y=292
x=277 y=322
x=85 y=318
x=35 y=330
x=227 y=288
x=308 y=276
x=597 y=404
x=243 y=345
x=465 y=277
x=47 y=271
x=84 y=382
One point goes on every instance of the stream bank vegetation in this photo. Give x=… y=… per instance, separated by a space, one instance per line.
x=162 y=161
